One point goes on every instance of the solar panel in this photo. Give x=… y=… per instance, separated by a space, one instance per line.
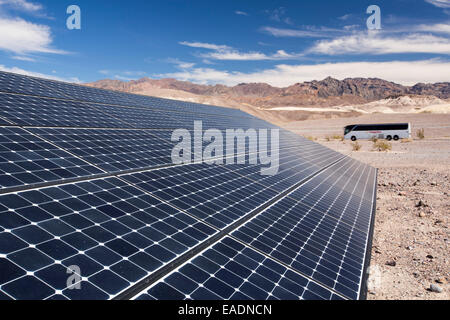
x=116 y=234
x=112 y=150
x=15 y=83
x=26 y=159
x=230 y=270
x=212 y=193
x=36 y=111
x=319 y=238
x=87 y=181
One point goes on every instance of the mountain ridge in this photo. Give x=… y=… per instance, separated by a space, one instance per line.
x=324 y=93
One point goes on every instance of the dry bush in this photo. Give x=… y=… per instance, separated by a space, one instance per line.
x=311 y=138
x=421 y=134
x=335 y=137
x=406 y=140
x=356 y=146
x=374 y=139
x=382 y=146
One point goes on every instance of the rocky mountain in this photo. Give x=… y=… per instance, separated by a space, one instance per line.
x=326 y=93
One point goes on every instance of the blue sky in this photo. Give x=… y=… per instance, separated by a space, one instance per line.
x=228 y=42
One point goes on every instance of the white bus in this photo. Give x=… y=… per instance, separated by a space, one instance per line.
x=394 y=131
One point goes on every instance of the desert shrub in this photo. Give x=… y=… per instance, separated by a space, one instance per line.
x=335 y=137
x=374 y=139
x=338 y=137
x=406 y=140
x=311 y=138
x=356 y=146
x=382 y=146
x=421 y=134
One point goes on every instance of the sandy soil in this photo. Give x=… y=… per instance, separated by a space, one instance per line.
x=411 y=239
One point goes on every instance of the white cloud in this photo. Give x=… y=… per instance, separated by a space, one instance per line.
x=21 y=37
x=23 y=58
x=241 y=13
x=436 y=28
x=345 y=17
x=307 y=32
x=404 y=72
x=223 y=52
x=203 y=45
x=37 y=74
x=22 y=5
x=180 y=64
x=250 y=56
x=440 y=3
x=374 y=43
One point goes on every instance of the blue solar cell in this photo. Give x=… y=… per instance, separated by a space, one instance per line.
x=57 y=249
x=55 y=276
x=30 y=259
x=87 y=292
x=10 y=243
x=20 y=289
x=10 y=271
x=109 y=282
x=33 y=234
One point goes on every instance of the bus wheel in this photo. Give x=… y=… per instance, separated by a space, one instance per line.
x=354 y=138
x=389 y=138
x=396 y=138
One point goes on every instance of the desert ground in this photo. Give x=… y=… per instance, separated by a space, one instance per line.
x=411 y=238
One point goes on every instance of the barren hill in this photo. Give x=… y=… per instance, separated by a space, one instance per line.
x=300 y=101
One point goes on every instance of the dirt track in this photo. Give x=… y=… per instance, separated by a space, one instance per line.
x=411 y=240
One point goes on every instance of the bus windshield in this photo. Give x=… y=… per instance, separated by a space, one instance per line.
x=348 y=129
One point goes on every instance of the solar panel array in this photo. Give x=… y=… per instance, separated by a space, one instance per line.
x=87 y=180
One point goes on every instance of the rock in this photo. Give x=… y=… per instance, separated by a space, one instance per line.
x=421 y=204
x=435 y=288
x=434 y=184
x=409 y=248
x=422 y=214
x=391 y=263
x=441 y=281
x=430 y=257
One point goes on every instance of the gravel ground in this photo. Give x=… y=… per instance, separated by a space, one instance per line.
x=411 y=239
